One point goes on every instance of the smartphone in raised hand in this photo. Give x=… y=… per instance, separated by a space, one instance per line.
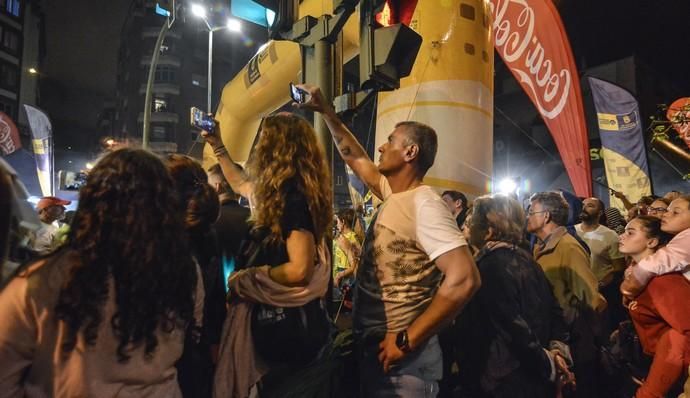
x=297 y=94
x=202 y=120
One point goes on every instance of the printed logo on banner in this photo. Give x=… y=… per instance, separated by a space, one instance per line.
x=521 y=49
x=611 y=122
x=530 y=38
x=607 y=122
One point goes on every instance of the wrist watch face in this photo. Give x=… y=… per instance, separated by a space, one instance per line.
x=401 y=340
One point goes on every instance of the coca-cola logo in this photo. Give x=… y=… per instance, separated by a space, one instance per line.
x=6 y=142
x=523 y=52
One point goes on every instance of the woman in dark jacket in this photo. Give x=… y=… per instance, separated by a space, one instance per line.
x=512 y=339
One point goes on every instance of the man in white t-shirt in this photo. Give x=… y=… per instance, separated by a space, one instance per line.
x=607 y=263
x=412 y=242
x=605 y=258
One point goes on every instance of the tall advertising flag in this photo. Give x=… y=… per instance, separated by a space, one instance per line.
x=530 y=38
x=622 y=141
x=9 y=135
x=42 y=140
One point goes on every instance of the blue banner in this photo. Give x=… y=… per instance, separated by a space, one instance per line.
x=622 y=141
x=42 y=140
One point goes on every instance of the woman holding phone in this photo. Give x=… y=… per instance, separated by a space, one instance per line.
x=288 y=185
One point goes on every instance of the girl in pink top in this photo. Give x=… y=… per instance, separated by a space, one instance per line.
x=106 y=315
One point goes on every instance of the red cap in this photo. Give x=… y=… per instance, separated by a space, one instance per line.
x=48 y=201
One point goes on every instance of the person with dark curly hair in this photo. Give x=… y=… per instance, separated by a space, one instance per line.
x=200 y=206
x=106 y=314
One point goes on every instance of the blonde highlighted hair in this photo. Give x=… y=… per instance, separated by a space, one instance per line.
x=287 y=150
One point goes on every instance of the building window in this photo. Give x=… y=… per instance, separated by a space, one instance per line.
x=11 y=40
x=11 y=7
x=165 y=74
x=8 y=106
x=199 y=80
x=9 y=76
x=160 y=105
x=159 y=133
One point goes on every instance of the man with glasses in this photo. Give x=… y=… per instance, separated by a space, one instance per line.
x=566 y=265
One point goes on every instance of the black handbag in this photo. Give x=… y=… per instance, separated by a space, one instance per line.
x=283 y=335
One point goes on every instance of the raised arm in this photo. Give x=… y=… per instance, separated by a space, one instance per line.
x=236 y=177
x=349 y=148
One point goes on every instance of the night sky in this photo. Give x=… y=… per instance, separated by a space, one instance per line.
x=82 y=41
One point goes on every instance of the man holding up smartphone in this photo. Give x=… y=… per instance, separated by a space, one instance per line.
x=411 y=243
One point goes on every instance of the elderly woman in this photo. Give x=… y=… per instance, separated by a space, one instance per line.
x=106 y=314
x=511 y=334
x=288 y=185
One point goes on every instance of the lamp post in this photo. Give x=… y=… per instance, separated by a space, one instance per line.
x=232 y=25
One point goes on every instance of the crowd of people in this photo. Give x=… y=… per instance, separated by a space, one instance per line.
x=163 y=285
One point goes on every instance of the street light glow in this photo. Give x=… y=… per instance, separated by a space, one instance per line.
x=507 y=186
x=198 y=10
x=33 y=71
x=234 y=25
x=89 y=165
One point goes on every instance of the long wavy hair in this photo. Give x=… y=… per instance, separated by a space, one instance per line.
x=128 y=229
x=287 y=150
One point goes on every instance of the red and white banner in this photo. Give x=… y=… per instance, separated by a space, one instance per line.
x=9 y=135
x=530 y=38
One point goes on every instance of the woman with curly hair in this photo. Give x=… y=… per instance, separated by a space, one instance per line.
x=200 y=207
x=106 y=314
x=288 y=186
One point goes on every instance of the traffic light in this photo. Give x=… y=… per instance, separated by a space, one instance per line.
x=388 y=46
x=277 y=15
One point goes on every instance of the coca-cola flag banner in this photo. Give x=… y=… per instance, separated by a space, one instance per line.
x=42 y=140
x=622 y=141
x=530 y=38
x=9 y=135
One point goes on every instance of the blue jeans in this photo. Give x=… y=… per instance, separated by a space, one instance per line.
x=415 y=376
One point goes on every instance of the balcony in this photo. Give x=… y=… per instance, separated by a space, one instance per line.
x=152 y=32
x=163 y=147
x=160 y=117
x=163 y=60
x=162 y=88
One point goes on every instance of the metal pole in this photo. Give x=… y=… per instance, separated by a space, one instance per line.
x=323 y=57
x=210 y=68
x=149 y=86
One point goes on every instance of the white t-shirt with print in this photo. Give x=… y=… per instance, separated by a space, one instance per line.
x=397 y=276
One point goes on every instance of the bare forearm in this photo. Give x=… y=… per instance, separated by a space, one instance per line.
x=289 y=274
x=444 y=307
x=235 y=176
x=348 y=146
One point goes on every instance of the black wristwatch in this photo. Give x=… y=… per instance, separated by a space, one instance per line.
x=402 y=341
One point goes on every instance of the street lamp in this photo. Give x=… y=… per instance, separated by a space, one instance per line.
x=232 y=25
